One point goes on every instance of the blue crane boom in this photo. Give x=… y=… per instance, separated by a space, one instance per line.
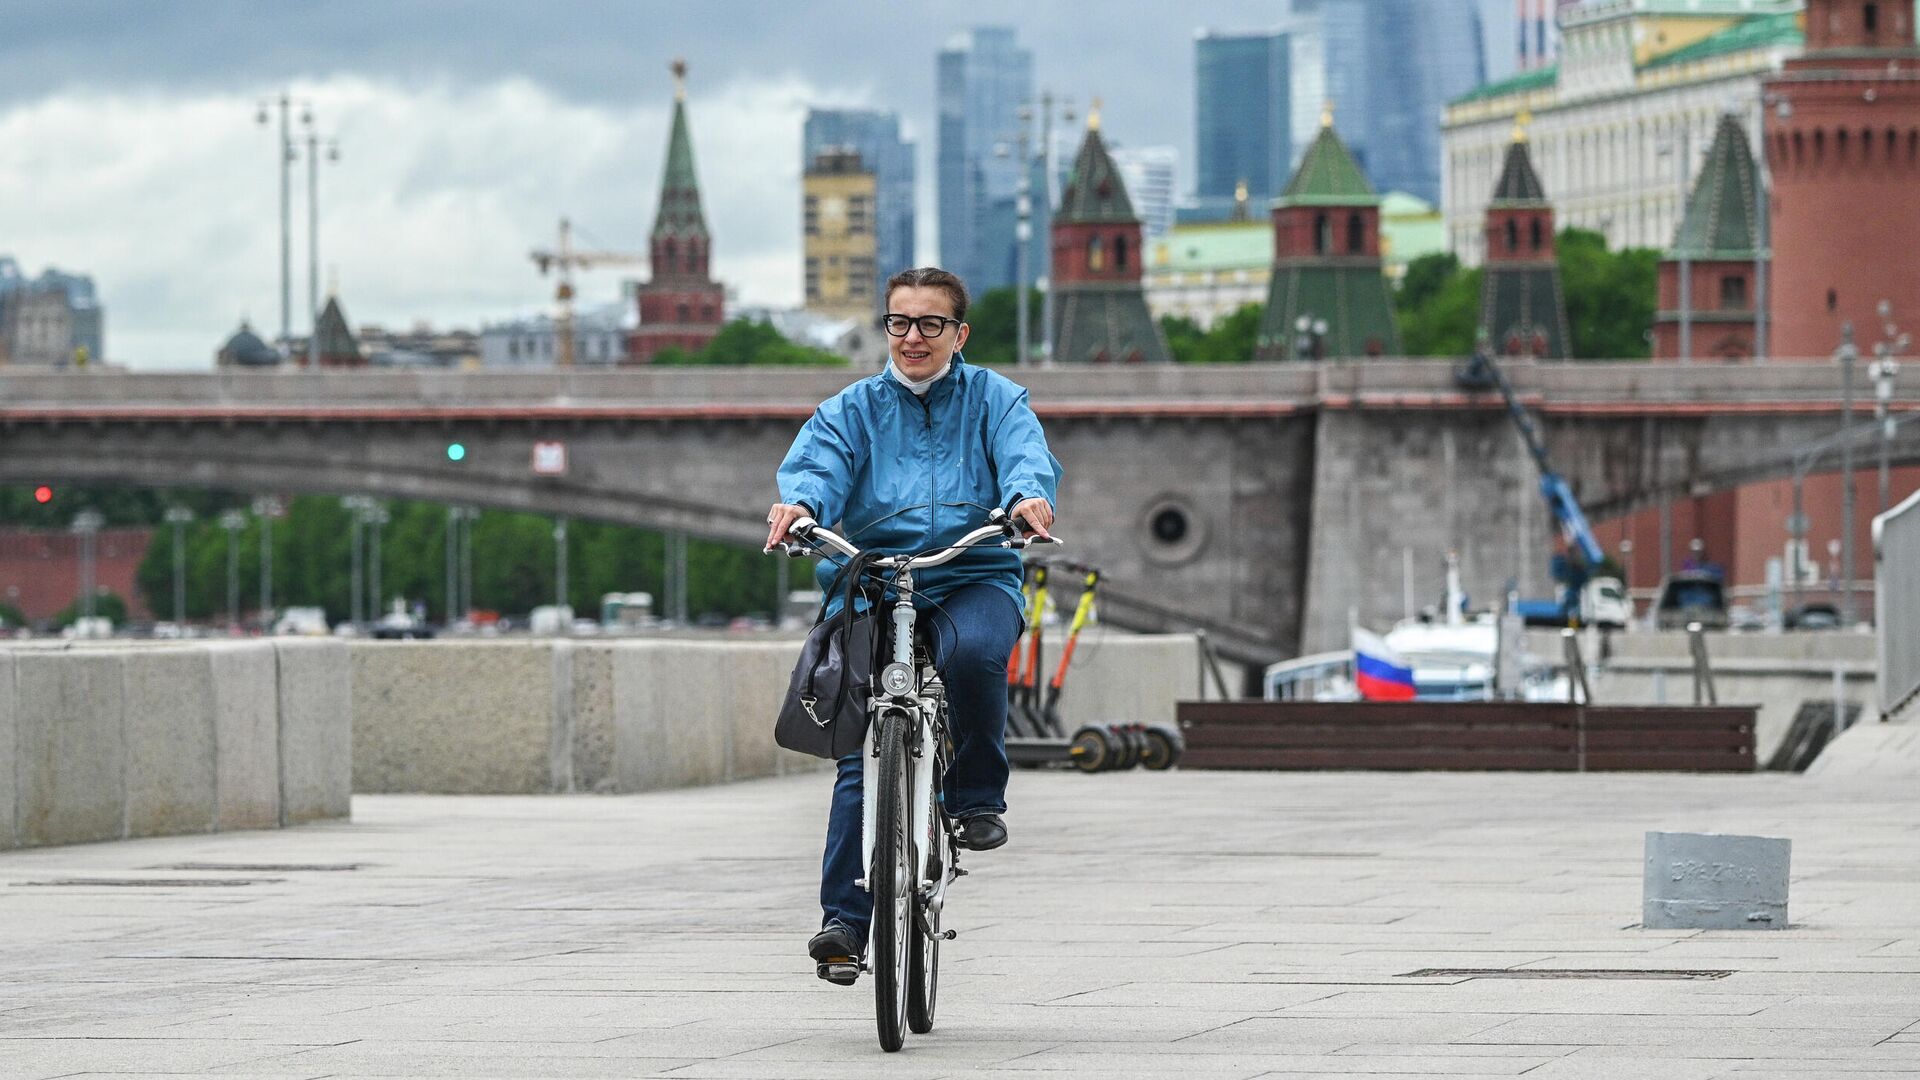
x=1584 y=549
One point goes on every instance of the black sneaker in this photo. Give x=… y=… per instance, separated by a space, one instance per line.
x=836 y=954
x=983 y=832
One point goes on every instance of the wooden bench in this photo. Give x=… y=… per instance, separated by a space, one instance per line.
x=1465 y=735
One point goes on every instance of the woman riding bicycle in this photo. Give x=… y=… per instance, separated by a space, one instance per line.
x=901 y=462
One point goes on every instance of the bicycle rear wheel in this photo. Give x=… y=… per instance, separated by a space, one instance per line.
x=892 y=879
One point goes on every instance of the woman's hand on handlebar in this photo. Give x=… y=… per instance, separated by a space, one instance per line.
x=1035 y=516
x=781 y=518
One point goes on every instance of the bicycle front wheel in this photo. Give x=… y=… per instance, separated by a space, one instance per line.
x=923 y=965
x=892 y=879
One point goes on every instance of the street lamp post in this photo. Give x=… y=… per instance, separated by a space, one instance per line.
x=1882 y=372
x=313 y=231
x=355 y=506
x=1022 y=155
x=233 y=521
x=1847 y=355
x=560 y=565
x=86 y=524
x=1310 y=337
x=468 y=515
x=1680 y=146
x=178 y=516
x=1047 y=112
x=266 y=508
x=376 y=518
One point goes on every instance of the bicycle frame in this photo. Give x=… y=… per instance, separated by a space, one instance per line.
x=923 y=713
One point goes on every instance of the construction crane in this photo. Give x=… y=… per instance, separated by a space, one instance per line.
x=1586 y=597
x=564 y=259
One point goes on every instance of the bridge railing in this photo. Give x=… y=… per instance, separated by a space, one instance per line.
x=1896 y=553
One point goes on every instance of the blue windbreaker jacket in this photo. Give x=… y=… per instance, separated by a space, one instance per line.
x=901 y=474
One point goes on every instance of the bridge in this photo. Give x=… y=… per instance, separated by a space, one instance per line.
x=1264 y=503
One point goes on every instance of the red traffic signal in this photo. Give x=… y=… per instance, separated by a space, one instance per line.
x=43 y=494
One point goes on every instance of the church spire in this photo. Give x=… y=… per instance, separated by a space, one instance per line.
x=679 y=213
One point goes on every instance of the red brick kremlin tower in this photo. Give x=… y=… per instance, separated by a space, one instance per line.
x=1843 y=141
x=682 y=307
x=1521 y=306
x=1100 y=311
x=1719 y=241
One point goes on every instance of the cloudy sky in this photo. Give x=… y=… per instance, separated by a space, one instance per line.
x=129 y=147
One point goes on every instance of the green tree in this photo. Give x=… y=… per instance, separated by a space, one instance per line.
x=1445 y=321
x=744 y=342
x=11 y=617
x=106 y=604
x=1610 y=296
x=1424 y=279
x=993 y=323
x=1231 y=341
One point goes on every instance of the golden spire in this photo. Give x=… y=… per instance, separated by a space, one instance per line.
x=1520 y=121
x=1326 y=113
x=1093 y=116
x=679 y=69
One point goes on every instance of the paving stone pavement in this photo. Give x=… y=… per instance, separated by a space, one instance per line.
x=1206 y=926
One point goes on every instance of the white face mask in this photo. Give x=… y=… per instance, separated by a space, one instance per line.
x=919 y=388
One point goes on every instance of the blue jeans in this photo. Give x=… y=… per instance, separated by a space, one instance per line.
x=970 y=644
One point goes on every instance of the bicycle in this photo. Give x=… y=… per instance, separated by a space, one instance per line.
x=908 y=843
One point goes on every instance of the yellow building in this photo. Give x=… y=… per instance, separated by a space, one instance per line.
x=839 y=241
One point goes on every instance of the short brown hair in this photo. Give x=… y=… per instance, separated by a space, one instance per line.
x=935 y=278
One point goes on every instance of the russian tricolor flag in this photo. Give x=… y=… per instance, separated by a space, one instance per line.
x=1380 y=673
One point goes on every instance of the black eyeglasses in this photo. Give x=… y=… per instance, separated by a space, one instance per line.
x=931 y=326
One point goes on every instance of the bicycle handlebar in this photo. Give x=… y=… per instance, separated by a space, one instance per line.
x=1000 y=526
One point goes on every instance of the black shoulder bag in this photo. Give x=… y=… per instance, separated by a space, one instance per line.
x=825 y=714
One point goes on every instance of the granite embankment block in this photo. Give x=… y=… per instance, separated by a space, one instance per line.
x=316 y=729
x=454 y=718
x=670 y=714
x=168 y=734
x=246 y=733
x=9 y=728
x=71 y=766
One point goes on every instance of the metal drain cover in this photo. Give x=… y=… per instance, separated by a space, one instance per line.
x=261 y=868
x=1562 y=973
x=149 y=883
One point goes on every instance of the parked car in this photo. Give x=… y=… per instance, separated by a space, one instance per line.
x=1818 y=615
x=1692 y=596
x=302 y=622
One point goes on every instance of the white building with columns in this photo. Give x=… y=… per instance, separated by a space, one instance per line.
x=1639 y=85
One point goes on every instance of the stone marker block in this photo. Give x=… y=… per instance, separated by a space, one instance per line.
x=71 y=766
x=8 y=727
x=169 y=741
x=1705 y=881
x=246 y=734
x=316 y=729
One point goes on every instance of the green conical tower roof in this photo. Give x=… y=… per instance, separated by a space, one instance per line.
x=1095 y=191
x=679 y=189
x=1724 y=205
x=1519 y=184
x=1328 y=175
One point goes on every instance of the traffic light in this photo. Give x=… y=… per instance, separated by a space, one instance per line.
x=456 y=451
x=43 y=494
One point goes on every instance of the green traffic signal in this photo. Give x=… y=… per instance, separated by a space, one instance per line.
x=456 y=451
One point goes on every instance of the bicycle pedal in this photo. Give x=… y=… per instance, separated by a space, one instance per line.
x=840 y=970
x=949 y=935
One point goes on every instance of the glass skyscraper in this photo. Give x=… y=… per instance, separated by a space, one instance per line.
x=983 y=78
x=875 y=136
x=1388 y=68
x=1243 y=115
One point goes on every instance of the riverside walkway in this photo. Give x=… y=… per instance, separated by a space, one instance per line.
x=1205 y=926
